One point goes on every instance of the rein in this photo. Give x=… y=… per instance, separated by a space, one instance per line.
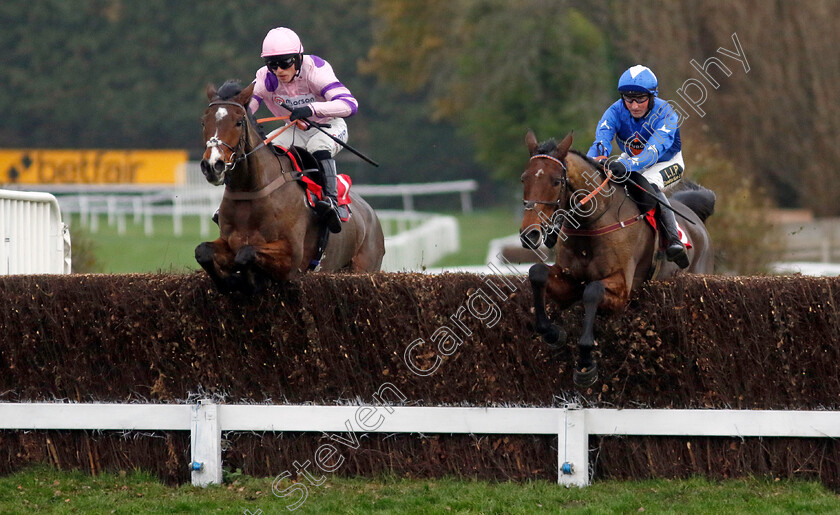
x=530 y=204
x=215 y=142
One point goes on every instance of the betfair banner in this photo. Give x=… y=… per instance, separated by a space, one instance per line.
x=42 y=166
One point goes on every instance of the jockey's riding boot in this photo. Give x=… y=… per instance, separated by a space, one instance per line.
x=327 y=207
x=674 y=249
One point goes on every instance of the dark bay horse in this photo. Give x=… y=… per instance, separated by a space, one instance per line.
x=266 y=229
x=604 y=247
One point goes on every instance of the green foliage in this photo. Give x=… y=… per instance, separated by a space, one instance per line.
x=121 y=74
x=499 y=68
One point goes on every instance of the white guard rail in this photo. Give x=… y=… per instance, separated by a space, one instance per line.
x=426 y=239
x=207 y=420
x=33 y=238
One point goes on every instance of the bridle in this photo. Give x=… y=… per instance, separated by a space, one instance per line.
x=564 y=180
x=217 y=142
x=531 y=204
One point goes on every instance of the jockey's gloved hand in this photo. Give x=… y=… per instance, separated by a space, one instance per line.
x=300 y=112
x=618 y=169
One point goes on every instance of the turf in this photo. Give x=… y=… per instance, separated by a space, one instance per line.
x=162 y=251
x=45 y=490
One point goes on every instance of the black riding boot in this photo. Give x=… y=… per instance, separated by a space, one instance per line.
x=327 y=207
x=674 y=250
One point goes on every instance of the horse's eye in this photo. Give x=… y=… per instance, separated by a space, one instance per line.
x=558 y=182
x=239 y=123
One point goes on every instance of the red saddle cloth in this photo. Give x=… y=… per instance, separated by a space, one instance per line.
x=313 y=194
x=683 y=236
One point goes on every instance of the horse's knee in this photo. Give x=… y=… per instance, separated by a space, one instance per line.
x=246 y=256
x=593 y=293
x=538 y=274
x=204 y=254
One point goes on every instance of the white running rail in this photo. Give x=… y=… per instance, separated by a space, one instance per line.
x=33 y=238
x=207 y=420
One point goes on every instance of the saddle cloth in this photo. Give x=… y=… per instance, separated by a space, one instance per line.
x=683 y=236
x=313 y=194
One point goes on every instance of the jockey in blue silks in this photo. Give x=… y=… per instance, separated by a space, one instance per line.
x=646 y=129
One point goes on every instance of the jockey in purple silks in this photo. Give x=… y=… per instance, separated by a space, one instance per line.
x=308 y=85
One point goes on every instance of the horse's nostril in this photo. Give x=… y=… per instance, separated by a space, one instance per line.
x=205 y=166
x=219 y=166
x=531 y=239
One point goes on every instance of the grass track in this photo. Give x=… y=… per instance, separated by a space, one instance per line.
x=45 y=490
x=134 y=252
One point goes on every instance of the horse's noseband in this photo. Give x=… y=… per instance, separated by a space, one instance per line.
x=218 y=142
x=531 y=204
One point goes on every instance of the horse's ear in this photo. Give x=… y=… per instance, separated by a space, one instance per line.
x=531 y=141
x=245 y=95
x=564 y=146
x=211 y=91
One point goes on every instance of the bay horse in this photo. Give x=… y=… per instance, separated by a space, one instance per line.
x=267 y=231
x=604 y=247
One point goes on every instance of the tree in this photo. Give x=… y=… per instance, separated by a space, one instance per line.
x=496 y=69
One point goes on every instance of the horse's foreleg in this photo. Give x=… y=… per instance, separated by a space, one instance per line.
x=216 y=258
x=546 y=280
x=551 y=334
x=587 y=370
x=610 y=293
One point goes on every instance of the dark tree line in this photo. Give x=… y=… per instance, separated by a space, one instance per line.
x=447 y=87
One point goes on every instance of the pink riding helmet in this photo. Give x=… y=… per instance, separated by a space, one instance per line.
x=281 y=41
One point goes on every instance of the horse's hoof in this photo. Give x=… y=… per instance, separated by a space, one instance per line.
x=554 y=337
x=586 y=377
x=245 y=257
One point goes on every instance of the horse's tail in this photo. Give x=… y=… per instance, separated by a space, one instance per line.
x=697 y=198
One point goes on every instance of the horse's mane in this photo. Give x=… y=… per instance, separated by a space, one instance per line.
x=595 y=164
x=548 y=147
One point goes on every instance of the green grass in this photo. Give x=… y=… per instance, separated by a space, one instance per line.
x=477 y=229
x=134 y=252
x=45 y=490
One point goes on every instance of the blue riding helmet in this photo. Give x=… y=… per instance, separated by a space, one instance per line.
x=638 y=79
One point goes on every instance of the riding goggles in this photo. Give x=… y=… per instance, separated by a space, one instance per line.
x=638 y=99
x=284 y=62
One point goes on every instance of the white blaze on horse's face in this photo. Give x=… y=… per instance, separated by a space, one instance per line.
x=215 y=165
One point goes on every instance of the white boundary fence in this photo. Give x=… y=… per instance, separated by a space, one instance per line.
x=207 y=420
x=33 y=239
x=421 y=239
x=408 y=191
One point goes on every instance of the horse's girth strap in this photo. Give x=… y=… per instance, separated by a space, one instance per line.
x=568 y=231
x=253 y=195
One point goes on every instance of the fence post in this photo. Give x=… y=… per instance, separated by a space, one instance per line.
x=466 y=202
x=572 y=447
x=206 y=444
